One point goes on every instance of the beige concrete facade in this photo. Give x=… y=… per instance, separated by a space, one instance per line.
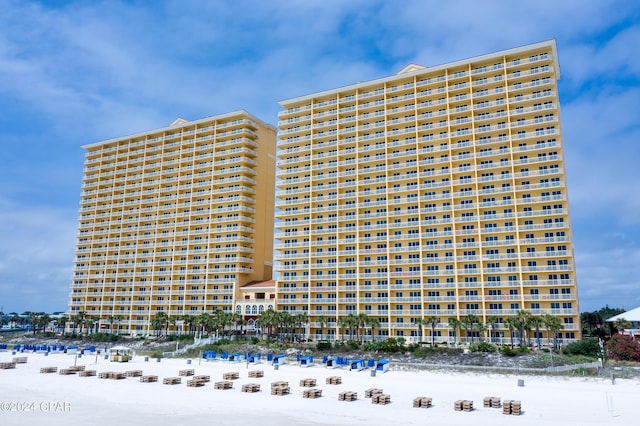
x=439 y=192
x=176 y=219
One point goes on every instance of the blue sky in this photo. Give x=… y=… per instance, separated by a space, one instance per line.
x=77 y=72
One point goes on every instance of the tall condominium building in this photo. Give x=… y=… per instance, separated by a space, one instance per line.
x=435 y=194
x=175 y=220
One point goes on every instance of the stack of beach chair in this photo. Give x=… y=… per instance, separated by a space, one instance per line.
x=372 y=391
x=172 y=380
x=223 y=385
x=87 y=373
x=198 y=381
x=7 y=365
x=307 y=383
x=231 y=376
x=76 y=368
x=312 y=393
x=20 y=360
x=114 y=375
x=256 y=373
x=134 y=373
x=188 y=372
x=347 y=396
x=49 y=369
x=511 y=407
x=380 y=398
x=66 y=371
x=422 y=402
x=148 y=379
x=463 y=405
x=280 y=388
x=251 y=388
x=491 y=402
x=334 y=380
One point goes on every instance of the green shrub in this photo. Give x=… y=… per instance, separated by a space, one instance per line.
x=254 y=340
x=587 y=347
x=507 y=351
x=323 y=345
x=353 y=344
x=482 y=347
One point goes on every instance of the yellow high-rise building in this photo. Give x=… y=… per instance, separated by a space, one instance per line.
x=174 y=220
x=437 y=195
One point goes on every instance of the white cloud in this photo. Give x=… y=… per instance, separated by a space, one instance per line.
x=36 y=257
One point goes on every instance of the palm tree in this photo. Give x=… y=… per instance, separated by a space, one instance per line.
x=513 y=323
x=111 y=319
x=478 y=328
x=190 y=322
x=202 y=322
x=523 y=316
x=322 y=320
x=158 y=321
x=349 y=322
x=419 y=324
x=373 y=323
x=361 y=323
x=33 y=321
x=456 y=324
x=492 y=321
x=93 y=321
x=171 y=321
x=118 y=319
x=236 y=320
x=14 y=319
x=267 y=320
x=433 y=322
x=536 y=322
x=302 y=319
x=80 y=317
x=554 y=325
x=622 y=324
x=472 y=322
x=62 y=320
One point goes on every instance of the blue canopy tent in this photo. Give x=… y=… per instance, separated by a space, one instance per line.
x=279 y=359
x=356 y=365
x=305 y=361
x=382 y=365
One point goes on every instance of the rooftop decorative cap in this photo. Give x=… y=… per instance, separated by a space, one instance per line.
x=178 y=121
x=411 y=67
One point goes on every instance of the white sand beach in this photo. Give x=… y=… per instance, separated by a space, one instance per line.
x=26 y=395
